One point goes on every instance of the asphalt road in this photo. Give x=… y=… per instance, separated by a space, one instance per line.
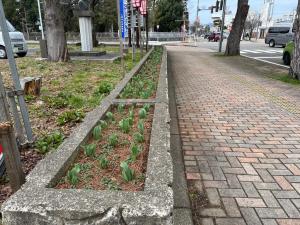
x=257 y=50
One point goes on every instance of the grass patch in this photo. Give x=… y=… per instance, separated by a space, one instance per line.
x=287 y=79
x=69 y=91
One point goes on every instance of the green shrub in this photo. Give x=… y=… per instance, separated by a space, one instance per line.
x=104 y=88
x=49 y=142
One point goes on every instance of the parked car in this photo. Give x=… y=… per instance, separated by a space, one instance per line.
x=214 y=37
x=17 y=41
x=288 y=53
x=279 y=36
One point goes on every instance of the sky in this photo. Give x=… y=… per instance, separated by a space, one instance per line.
x=281 y=7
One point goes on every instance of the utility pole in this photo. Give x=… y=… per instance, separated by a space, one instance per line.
x=222 y=26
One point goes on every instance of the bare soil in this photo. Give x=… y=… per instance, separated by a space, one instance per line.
x=92 y=177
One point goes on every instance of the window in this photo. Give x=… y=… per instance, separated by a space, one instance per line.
x=9 y=26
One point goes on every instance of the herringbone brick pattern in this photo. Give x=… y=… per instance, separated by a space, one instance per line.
x=241 y=144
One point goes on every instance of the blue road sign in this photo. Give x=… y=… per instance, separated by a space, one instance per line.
x=124 y=18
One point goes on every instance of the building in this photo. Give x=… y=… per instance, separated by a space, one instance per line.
x=266 y=17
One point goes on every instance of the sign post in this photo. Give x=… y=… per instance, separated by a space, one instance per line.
x=222 y=28
x=123 y=28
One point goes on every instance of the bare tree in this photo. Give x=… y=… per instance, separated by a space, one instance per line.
x=234 y=39
x=252 y=22
x=56 y=37
x=295 y=64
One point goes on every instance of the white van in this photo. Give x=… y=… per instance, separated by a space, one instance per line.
x=17 y=41
x=279 y=36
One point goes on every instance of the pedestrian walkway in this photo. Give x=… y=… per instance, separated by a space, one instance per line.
x=241 y=142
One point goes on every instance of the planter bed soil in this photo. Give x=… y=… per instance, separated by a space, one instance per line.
x=92 y=176
x=144 y=84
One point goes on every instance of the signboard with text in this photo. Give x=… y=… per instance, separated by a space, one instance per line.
x=124 y=18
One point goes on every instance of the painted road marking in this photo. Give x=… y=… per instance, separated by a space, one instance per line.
x=262 y=60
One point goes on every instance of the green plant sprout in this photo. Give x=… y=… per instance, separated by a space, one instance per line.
x=97 y=132
x=113 y=140
x=127 y=173
x=73 y=174
x=103 y=124
x=104 y=162
x=125 y=125
x=110 y=116
x=142 y=113
x=141 y=126
x=89 y=150
x=147 y=107
x=135 y=151
x=138 y=137
x=121 y=108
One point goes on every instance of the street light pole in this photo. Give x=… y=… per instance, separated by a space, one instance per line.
x=41 y=21
x=222 y=28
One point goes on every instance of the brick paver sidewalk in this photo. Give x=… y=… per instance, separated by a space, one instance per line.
x=241 y=143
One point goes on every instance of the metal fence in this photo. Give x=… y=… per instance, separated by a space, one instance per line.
x=109 y=36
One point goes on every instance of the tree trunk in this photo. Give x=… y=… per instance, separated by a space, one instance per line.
x=295 y=64
x=234 y=39
x=56 y=38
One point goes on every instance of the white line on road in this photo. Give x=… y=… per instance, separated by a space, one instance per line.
x=270 y=57
x=262 y=60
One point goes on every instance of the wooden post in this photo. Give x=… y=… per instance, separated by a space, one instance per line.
x=8 y=141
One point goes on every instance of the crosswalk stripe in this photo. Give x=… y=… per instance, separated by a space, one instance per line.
x=259 y=51
x=250 y=51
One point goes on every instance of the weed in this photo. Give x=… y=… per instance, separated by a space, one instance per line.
x=104 y=88
x=127 y=173
x=49 y=142
x=74 y=116
x=110 y=184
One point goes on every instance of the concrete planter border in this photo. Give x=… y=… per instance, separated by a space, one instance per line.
x=39 y=204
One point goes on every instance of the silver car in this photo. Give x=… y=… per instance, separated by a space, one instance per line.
x=279 y=36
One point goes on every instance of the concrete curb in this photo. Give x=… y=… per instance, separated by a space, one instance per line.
x=37 y=203
x=182 y=207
